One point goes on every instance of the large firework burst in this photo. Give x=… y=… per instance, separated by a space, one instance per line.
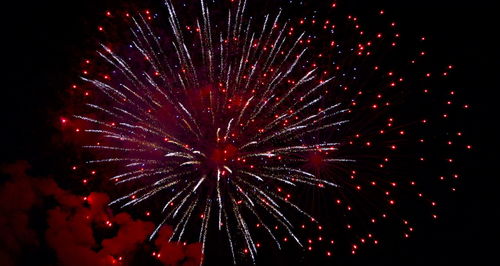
x=220 y=122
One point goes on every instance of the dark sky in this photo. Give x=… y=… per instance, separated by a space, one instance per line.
x=42 y=43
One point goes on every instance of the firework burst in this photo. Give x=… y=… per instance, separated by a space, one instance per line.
x=218 y=123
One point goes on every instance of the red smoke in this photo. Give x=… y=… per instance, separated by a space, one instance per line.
x=72 y=226
x=174 y=253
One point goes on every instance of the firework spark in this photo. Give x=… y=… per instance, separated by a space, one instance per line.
x=216 y=121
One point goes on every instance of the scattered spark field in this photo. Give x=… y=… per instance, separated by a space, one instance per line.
x=263 y=129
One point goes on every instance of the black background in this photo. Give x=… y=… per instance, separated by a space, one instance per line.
x=42 y=41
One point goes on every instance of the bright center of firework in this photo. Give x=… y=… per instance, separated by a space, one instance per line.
x=220 y=156
x=218 y=160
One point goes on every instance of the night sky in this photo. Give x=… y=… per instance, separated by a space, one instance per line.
x=44 y=41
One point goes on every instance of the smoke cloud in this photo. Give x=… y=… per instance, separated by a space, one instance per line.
x=37 y=215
